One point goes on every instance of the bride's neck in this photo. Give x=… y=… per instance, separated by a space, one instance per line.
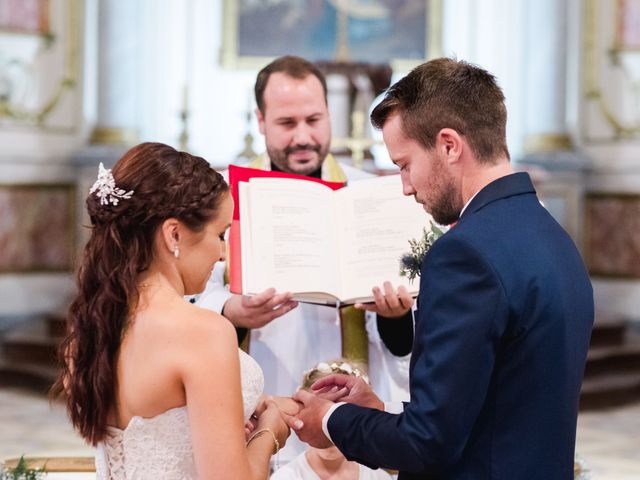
x=158 y=280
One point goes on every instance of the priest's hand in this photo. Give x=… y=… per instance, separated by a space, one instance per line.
x=355 y=389
x=308 y=422
x=389 y=302
x=256 y=311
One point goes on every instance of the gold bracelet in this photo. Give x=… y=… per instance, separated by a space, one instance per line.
x=260 y=432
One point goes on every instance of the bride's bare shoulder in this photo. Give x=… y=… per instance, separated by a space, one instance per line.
x=198 y=325
x=201 y=340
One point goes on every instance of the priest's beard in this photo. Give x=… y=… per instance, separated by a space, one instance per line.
x=280 y=158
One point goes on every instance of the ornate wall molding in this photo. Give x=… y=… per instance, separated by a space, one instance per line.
x=25 y=68
x=238 y=52
x=611 y=79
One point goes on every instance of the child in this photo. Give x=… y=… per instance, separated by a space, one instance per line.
x=317 y=464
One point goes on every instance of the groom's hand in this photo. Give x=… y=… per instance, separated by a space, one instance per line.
x=357 y=390
x=388 y=301
x=308 y=422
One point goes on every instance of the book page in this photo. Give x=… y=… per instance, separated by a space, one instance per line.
x=377 y=222
x=245 y=231
x=291 y=241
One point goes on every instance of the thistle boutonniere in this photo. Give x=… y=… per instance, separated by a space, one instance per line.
x=410 y=262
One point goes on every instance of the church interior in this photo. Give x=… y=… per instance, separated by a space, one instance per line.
x=83 y=80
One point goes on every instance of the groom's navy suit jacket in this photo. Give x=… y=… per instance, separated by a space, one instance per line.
x=504 y=318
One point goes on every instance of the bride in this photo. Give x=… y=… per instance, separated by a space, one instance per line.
x=156 y=383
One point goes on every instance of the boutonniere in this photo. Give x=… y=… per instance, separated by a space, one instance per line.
x=410 y=262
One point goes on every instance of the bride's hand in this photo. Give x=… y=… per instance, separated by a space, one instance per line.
x=287 y=405
x=260 y=406
x=334 y=393
x=250 y=426
x=271 y=418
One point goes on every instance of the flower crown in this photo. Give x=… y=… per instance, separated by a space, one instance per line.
x=106 y=189
x=337 y=367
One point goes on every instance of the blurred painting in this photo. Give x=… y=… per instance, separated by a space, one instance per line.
x=24 y=16
x=628 y=28
x=613 y=234
x=37 y=226
x=375 y=31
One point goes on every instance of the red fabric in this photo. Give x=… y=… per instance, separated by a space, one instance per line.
x=243 y=174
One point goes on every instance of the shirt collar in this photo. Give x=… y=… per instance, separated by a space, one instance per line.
x=468 y=202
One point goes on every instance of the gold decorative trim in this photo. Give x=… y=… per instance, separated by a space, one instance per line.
x=70 y=76
x=56 y=464
x=230 y=59
x=114 y=136
x=433 y=27
x=228 y=54
x=547 y=142
x=593 y=91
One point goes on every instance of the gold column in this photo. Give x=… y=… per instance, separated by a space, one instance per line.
x=355 y=341
x=547 y=142
x=114 y=136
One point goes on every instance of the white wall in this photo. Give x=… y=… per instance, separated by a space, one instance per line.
x=490 y=33
x=217 y=98
x=486 y=32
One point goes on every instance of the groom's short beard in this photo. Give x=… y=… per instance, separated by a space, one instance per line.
x=446 y=209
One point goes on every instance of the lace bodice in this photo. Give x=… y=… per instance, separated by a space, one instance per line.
x=160 y=447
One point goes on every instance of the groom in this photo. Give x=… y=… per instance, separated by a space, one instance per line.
x=505 y=308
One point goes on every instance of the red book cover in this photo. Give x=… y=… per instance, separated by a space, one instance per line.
x=243 y=174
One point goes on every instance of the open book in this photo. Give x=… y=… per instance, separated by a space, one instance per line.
x=325 y=246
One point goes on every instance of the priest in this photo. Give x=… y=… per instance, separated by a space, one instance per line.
x=284 y=337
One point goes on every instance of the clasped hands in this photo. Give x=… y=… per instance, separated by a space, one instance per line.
x=305 y=410
x=258 y=310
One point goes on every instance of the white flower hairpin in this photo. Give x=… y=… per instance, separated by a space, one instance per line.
x=105 y=188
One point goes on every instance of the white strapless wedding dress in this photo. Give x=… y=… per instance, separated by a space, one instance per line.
x=160 y=447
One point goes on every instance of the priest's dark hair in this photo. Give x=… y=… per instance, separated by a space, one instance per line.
x=165 y=184
x=295 y=67
x=449 y=93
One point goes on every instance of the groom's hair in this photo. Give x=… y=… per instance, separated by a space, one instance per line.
x=449 y=93
x=339 y=365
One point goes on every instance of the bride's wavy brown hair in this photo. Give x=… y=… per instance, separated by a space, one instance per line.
x=166 y=184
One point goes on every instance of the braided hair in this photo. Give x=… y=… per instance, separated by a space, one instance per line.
x=165 y=184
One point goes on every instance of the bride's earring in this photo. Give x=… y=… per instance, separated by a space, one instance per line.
x=176 y=252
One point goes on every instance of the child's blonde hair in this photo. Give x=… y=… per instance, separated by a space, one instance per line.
x=339 y=365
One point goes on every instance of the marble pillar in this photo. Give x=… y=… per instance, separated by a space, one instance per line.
x=546 y=76
x=117 y=72
x=557 y=167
